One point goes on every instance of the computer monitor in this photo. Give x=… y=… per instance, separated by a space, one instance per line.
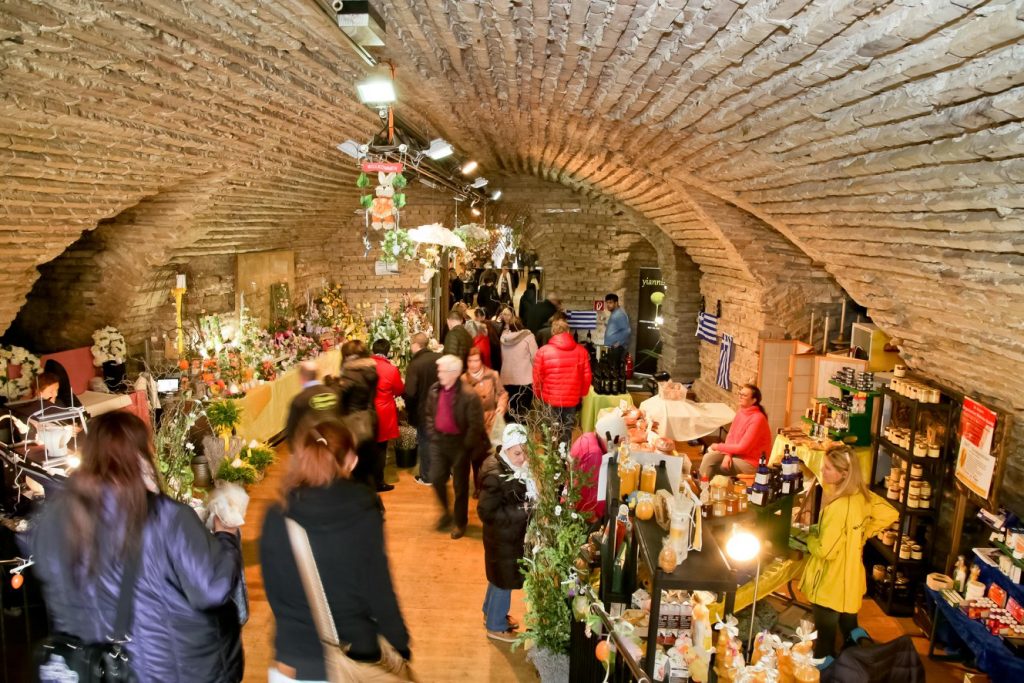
x=168 y=385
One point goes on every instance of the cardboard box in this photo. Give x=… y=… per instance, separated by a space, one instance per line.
x=976 y=678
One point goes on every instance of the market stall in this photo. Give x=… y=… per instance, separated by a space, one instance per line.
x=594 y=403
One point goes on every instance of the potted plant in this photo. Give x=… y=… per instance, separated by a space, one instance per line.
x=405 y=446
x=108 y=352
x=553 y=537
x=223 y=417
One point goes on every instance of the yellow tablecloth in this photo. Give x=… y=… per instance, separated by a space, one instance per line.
x=265 y=407
x=773 y=577
x=594 y=403
x=813 y=457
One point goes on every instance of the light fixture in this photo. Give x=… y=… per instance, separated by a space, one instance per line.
x=496 y=195
x=469 y=167
x=438 y=149
x=352 y=148
x=475 y=211
x=744 y=546
x=378 y=88
x=478 y=183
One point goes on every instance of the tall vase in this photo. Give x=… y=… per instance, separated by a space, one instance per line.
x=113 y=375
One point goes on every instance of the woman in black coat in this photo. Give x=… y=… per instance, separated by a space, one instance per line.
x=357 y=388
x=506 y=490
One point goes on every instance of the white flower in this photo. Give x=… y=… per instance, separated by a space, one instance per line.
x=575 y=516
x=190 y=446
x=558 y=475
x=562 y=449
x=237 y=462
x=558 y=511
x=254 y=444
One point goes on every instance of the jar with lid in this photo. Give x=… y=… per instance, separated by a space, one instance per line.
x=916 y=552
x=719 y=508
x=629 y=476
x=648 y=477
x=731 y=504
x=913 y=500
x=916 y=471
x=667 y=557
x=905 y=551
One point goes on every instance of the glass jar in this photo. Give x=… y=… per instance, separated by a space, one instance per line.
x=629 y=473
x=667 y=557
x=648 y=477
x=718 y=508
x=679 y=535
x=731 y=504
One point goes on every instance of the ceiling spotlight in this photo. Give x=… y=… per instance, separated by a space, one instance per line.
x=378 y=88
x=438 y=149
x=351 y=148
x=478 y=183
x=496 y=195
x=469 y=167
x=475 y=211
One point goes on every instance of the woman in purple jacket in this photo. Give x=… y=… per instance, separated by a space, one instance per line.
x=184 y=626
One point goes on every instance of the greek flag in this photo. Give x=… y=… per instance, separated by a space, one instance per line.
x=707 y=327
x=582 y=320
x=724 y=362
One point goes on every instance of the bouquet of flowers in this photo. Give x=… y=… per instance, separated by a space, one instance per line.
x=335 y=313
x=15 y=387
x=107 y=346
x=391 y=325
x=174 y=451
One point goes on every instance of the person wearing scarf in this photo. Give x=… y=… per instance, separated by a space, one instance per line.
x=487 y=385
x=506 y=496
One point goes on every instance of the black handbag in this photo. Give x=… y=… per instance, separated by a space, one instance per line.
x=63 y=658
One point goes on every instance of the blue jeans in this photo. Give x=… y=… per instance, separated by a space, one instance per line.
x=423 y=452
x=496 y=604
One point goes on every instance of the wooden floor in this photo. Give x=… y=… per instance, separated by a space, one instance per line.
x=440 y=585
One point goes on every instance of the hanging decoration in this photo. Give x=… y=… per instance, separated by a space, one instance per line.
x=15 y=356
x=435 y=236
x=397 y=245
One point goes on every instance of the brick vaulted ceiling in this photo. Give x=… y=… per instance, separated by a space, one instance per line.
x=882 y=139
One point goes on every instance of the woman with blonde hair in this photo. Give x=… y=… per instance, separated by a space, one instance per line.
x=324 y=514
x=833 y=579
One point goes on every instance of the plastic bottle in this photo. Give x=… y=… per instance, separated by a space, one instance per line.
x=621 y=526
x=705 y=497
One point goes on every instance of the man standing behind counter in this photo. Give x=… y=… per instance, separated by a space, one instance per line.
x=617 y=332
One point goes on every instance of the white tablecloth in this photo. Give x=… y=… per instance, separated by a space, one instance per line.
x=684 y=420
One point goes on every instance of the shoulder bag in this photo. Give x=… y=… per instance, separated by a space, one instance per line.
x=391 y=668
x=63 y=657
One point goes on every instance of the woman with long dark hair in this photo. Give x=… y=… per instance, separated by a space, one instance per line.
x=344 y=527
x=183 y=626
x=749 y=437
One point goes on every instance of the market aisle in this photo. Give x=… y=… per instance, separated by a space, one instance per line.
x=440 y=585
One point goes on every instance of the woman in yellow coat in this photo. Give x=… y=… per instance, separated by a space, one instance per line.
x=833 y=579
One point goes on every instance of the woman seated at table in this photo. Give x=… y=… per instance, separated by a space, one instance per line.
x=748 y=438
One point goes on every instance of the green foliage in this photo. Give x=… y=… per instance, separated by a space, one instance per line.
x=366 y=201
x=400 y=181
x=363 y=181
x=174 y=451
x=553 y=538
x=243 y=473
x=223 y=415
x=397 y=245
x=260 y=457
x=392 y=325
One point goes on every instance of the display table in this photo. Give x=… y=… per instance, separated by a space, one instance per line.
x=594 y=403
x=684 y=420
x=813 y=457
x=265 y=407
x=990 y=654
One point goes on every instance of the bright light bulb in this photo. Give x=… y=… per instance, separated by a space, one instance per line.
x=469 y=167
x=496 y=195
x=475 y=211
x=658 y=320
x=742 y=545
x=377 y=90
x=74 y=461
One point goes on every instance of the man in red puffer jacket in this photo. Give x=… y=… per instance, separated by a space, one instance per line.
x=561 y=377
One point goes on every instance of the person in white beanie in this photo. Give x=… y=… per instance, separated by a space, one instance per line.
x=506 y=493
x=589 y=450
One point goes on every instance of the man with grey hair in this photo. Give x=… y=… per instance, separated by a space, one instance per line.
x=454 y=418
x=420 y=376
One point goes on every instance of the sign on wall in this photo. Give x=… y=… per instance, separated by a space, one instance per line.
x=975 y=464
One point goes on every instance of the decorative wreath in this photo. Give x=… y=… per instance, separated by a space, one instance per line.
x=30 y=367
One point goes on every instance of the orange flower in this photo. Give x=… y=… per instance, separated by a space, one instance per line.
x=183 y=364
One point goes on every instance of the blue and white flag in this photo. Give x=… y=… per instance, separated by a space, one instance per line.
x=707 y=327
x=724 y=363
x=582 y=320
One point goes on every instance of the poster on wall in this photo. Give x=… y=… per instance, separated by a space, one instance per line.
x=649 y=320
x=975 y=464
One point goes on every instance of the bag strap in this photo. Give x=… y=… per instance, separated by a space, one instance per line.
x=126 y=600
x=312 y=584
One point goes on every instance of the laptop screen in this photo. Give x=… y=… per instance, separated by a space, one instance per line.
x=167 y=386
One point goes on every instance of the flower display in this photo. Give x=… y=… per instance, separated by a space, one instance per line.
x=108 y=345
x=391 y=324
x=29 y=364
x=335 y=313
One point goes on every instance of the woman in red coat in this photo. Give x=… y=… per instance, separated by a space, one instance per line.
x=481 y=340
x=389 y=386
